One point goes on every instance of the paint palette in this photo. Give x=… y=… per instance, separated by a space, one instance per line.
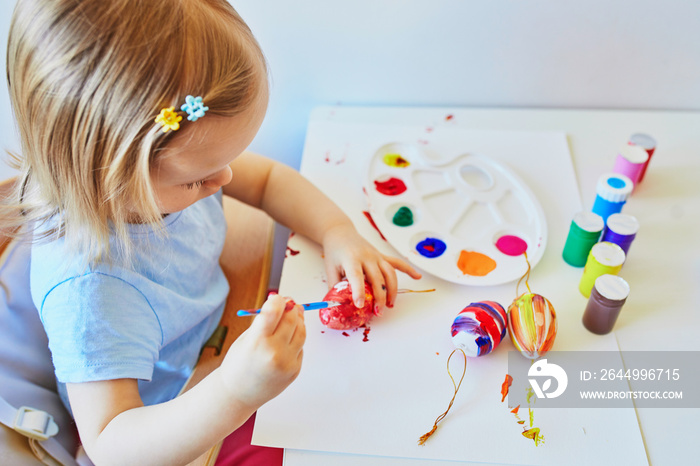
x=464 y=218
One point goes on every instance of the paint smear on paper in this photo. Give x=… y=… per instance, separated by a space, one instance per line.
x=475 y=264
x=395 y=160
x=511 y=245
x=514 y=410
x=403 y=217
x=505 y=386
x=391 y=187
x=369 y=218
x=534 y=434
x=291 y=251
x=431 y=247
x=365 y=333
x=529 y=393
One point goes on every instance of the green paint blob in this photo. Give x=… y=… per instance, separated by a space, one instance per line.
x=403 y=217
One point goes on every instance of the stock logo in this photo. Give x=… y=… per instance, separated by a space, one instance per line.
x=547 y=371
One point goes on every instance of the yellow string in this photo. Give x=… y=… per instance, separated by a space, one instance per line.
x=527 y=274
x=406 y=290
x=427 y=435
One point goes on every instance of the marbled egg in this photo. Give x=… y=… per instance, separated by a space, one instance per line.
x=532 y=323
x=479 y=328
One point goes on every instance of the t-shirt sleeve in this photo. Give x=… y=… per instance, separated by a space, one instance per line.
x=100 y=327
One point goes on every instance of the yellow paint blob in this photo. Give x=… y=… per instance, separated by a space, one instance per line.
x=475 y=263
x=395 y=160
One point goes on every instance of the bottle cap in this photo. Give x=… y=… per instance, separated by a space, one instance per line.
x=634 y=154
x=643 y=140
x=614 y=187
x=623 y=224
x=608 y=254
x=589 y=222
x=612 y=287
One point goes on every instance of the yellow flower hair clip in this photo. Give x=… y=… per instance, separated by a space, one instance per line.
x=169 y=119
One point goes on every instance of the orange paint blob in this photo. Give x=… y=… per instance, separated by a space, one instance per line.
x=475 y=263
x=505 y=386
x=515 y=410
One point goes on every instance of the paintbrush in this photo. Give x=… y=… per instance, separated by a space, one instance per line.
x=307 y=307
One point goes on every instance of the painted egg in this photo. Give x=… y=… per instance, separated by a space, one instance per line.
x=346 y=316
x=532 y=323
x=479 y=328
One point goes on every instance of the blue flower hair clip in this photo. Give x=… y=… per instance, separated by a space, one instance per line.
x=194 y=107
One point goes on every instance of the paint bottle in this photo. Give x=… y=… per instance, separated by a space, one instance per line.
x=604 y=258
x=621 y=229
x=608 y=295
x=647 y=143
x=584 y=232
x=630 y=161
x=611 y=194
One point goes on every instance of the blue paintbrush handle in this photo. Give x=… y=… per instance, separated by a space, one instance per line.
x=307 y=307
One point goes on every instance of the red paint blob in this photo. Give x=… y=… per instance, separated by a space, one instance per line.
x=390 y=187
x=511 y=245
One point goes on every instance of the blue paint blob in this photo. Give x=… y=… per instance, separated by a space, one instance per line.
x=431 y=247
x=616 y=183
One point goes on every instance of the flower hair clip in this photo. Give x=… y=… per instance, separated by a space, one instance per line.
x=194 y=107
x=170 y=119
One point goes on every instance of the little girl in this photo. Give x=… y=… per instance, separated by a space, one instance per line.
x=134 y=118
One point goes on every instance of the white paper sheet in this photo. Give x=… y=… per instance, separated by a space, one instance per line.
x=377 y=397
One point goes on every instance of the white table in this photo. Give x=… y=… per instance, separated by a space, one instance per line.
x=664 y=264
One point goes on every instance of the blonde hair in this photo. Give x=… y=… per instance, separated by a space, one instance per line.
x=87 y=79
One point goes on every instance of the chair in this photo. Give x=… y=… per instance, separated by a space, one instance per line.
x=246 y=260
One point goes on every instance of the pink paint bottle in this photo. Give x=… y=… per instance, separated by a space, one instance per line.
x=608 y=295
x=630 y=161
x=647 y=143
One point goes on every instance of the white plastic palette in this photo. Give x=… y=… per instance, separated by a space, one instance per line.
x=466 y=203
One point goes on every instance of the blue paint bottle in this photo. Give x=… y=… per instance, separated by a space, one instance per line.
x=611 y=194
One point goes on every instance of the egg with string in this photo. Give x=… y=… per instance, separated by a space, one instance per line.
x=346 y=316
x=479 y=328
x=532 y=324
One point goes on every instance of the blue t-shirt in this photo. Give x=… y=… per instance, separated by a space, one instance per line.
x=147 y=321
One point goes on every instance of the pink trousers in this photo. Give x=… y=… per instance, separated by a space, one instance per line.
x=237 y=450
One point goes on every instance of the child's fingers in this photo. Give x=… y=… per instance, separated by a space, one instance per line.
x=299 y=334
x=375 y=277
x=356 y=279
x=390 y=282
x=403 y=266
x=288 y=322
x=332 y=274
x=270 y=314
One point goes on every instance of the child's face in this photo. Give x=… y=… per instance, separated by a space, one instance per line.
x=196 y=163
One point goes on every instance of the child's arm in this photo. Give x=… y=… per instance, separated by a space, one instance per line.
x=293 y=201
x=116 y=428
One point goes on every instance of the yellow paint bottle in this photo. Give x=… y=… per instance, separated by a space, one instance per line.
x=604 y=258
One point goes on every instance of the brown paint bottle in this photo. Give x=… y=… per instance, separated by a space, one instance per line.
x=608 y=295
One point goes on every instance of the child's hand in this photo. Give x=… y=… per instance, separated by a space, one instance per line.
x=266 y=358
x=349 y=254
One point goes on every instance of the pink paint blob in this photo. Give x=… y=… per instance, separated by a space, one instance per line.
x=511 y=245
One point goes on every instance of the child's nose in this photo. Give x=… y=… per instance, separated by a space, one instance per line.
x=223 y=177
